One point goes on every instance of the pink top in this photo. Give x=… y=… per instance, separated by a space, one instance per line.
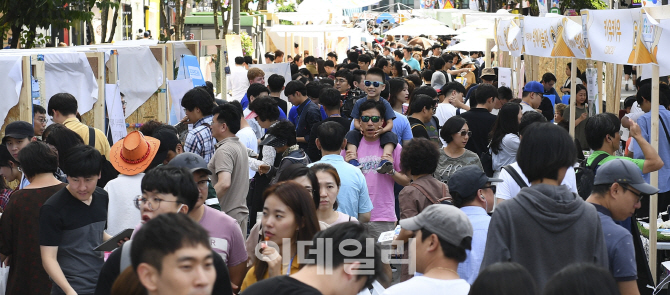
x=341 y=218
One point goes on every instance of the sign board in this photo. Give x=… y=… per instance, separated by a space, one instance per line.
x=616 y=36
x=234 y=47
x=189 y=68
x=515 y=39
x=505 y=77
x=592 y=84
x=117 y=121
x=177 y=90
x=540 y=35
x=281 y=69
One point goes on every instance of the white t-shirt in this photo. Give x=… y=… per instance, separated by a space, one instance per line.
x=526 y=108
x=635 y=113
x=248 y=139
x=444 y=112
x=238 y=82
x=508 y=188
x=121 y=211
x=424 y=285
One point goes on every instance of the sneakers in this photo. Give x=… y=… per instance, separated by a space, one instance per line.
x=385 y=167
x=355 y=163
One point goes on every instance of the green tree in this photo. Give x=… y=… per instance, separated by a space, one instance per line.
x=41 y=13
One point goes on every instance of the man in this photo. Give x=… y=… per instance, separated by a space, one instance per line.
x=548 y=82
x=421 y=111
x=230 y=165
x=488 y=77
x=644 y=100
x=171 y=254
x=308 y=112
x=346 y=272
x=63 y=109
x=532 y=97
x=131 y=156
x=72 y=224
x=546 y=221
x=276 y=86
x=329 y=66
x=505 y=95
x=364 y=61
x=255 y=90
x=332 y=56
x=474 y=194
x=480 y=120
x=246 y=134
x=238 y=81
x=436 y=50
x=617 y=190
x=386 y=53
x=254 y=75
x=269 y=57
x=452 y=104
x=225 y=235
x=413 y=63
x=344 y=83
x=331 y=102
x=442 y=235
x=39 y=120
x=198 y=104
x=440 y=75
x=352 y=56
x=17 y=136
x=353 y=198
x=279 y=57
x=380 y=186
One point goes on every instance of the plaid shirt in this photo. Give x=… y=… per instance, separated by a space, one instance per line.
x=4 y=198
x=199 y=140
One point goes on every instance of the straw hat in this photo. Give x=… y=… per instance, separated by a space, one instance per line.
x=134 y=153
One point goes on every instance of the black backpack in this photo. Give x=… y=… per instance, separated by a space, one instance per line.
x=585 y=175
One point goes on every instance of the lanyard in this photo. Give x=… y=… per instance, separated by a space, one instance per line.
x=288 y=272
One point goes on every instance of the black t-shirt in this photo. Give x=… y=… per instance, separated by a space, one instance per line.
x=547 y=108
x=280 y=285
x=418 y=128
x=281 y=103
x=480 y=121
x=111 y=270
x=76 y=229
x=312 y=151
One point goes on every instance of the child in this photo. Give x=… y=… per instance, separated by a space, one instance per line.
x=374 y=85
x=558 y=117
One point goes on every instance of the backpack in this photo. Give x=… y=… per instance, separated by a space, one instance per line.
x=295 y=157
x=586 y=174
x=486 y=159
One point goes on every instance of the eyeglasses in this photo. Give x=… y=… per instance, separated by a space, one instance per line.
x=492 y=187
x=374 y=119
x=204 y=183
x=464 y=133
x=338 y=81
x=43 y=120
x=638 y=195
x=152 y=203
x=373 y=83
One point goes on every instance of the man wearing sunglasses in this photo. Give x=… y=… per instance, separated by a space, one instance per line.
x=617 y=190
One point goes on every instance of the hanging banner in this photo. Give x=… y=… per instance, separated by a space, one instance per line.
x=540 y=35
x=515 y=39
x=592 y=84
x=570 y=41
x=189 y=69
x=616 y=36
x=656 y=38
x=501 y=31
x=117 y=121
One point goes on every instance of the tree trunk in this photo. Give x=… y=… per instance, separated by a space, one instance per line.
x=114 y=20
x=16 y=36
x=104 y=17
x=228 y=16
x=215 y=8
x=262 y=5
x=177 y=22
x=182 y=16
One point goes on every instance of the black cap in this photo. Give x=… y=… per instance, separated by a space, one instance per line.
x=467 y=180
x=273 y=141
x=191 y=161
x=18 y=129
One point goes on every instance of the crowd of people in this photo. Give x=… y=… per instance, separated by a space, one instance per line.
x=260 y=196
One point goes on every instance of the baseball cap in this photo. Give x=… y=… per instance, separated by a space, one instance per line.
x=467 y=180
x=534 y=86
x=447 y=222
x=191 y=161
x=623 y=172
x=488 y=72
x=273 y=141
x=19 y=130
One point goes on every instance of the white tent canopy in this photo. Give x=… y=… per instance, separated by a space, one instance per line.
x=418 y=26
x=469 y=45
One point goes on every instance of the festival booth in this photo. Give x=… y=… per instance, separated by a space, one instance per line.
x=318 y=39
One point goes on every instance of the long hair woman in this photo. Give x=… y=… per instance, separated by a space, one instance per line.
x=329 y=183
x=505 y=136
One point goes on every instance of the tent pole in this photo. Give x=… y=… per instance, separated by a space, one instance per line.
x=653 y=202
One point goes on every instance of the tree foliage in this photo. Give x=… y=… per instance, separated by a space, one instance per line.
x=41 y=13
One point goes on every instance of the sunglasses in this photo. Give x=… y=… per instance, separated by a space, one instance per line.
x=374 y=119
x=373 y=83
x=464 y=133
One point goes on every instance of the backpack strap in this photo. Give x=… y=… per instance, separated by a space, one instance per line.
x=125 y=256
x=665 y=128
x=428 y=196
x=596 y=162
x=515 y=175
x=91 y=136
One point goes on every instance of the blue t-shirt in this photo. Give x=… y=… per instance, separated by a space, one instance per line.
x=663 y=146
x=620 y=248
x=413 y=63
x=402 y=128
x=389 y=115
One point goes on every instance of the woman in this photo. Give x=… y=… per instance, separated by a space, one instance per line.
x=329 y=183
x=504 y=278
x=9 y=168
x=581 y=115
x=568 y=72
x=397 y=69
x=419 y=160
x=288 y=214
x=419 y=58
x=456 y=134
x=505 y=136
x=5 y=191
x=19 y=225
x=398 y=94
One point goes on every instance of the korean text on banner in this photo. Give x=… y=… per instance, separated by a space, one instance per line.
x=177 y=90
x=11 y=79
x=540 y=35
x=281 y=69
x=615 y=36
x=515 y=39
x=505 y=77
x=570 y=41
x=190 y=69
x=117 y=122
x=502 y=30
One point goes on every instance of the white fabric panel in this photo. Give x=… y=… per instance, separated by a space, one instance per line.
x=140 y=75
x=71 y=73
x=11 y=79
